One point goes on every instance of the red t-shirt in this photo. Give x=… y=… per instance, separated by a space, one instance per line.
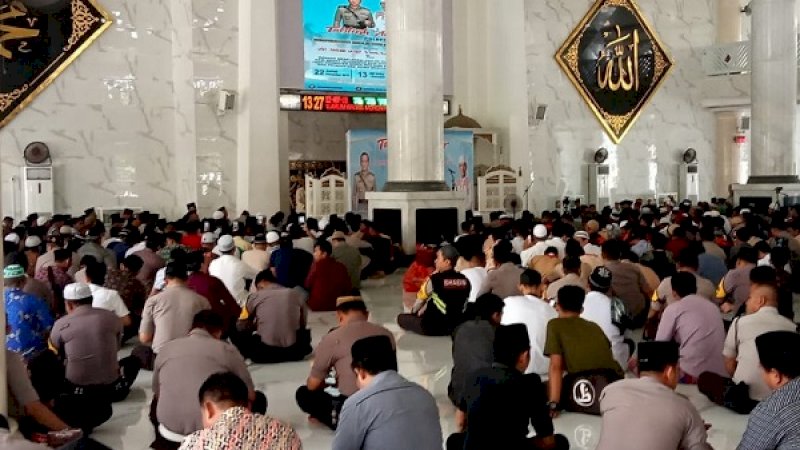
x=327 y=281
x=192 y=241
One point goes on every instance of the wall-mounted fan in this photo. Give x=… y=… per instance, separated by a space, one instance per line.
x=37 y=154
x=601 y=155
x=690 y=156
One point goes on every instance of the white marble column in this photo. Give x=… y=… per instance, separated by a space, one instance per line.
x=729 y=30
x=185 y=129
x=262 y=175
x=416 y=82
x=774 y=91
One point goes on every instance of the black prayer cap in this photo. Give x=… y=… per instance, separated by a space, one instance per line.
x=655 y=356
x=375 y=354
x=780 y=350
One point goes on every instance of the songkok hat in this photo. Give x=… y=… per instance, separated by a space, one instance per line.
x=225 y=243
x=540 y=231
x=12 y=237
x=260 y=239
x=654 y=356
x=13 y=271
x=601 y=278
x=77 y=291
x=33 y=241
x=374 y=351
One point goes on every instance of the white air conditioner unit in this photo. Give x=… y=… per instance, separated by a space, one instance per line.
x=37 y=190
x=689 y=182
x=599 y=185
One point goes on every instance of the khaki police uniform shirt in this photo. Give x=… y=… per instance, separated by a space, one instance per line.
x=334 y=352
x=169 y=315
x=669 y=420
x=662 y=297
x=504 y=280
x=181 y=367
x=88 y=338
x=354 y=17
x=278 y=312
x=19 y=385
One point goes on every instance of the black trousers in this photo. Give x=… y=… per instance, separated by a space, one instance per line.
x=49 y=380
x=457 y=441
x=725 y=392
x=145 y=355
x=414 y=324
x=320 y=405
x=252 y=347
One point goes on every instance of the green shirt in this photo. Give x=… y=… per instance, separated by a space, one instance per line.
x=581 y=343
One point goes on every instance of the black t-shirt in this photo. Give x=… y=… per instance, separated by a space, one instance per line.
x=445 y=310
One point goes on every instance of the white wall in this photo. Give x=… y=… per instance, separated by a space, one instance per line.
x=322 y=136
x=524 y=36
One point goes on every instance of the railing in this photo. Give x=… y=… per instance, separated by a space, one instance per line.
x=729 y=59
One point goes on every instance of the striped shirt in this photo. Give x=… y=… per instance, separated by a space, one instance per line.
x=237 y=428
x=775 y=422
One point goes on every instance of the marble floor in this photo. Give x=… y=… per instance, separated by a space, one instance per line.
x=424 y=360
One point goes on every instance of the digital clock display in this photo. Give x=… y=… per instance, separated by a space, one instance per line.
x=343 y=103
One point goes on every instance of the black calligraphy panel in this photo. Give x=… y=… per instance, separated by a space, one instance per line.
x=616 y=62
x=38 y=39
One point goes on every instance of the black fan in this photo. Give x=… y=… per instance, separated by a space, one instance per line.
x=690 y=156
x=601 y=155
x=37 y=153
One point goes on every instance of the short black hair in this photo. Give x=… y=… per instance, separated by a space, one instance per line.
x=612 y=250
x=510 y=341
x=194 y=260
x=176 y=270
x=571 y=264
x=570 y=298
x=208 y=320
x=357 y=305
x=175 y=236
x=487 y=305
x=502 y=252
x=763 y=247
x=62 y=254
x=748 y=255
x=780 y=350
x=133 y=263
x=684 y=283
x=530 y=277
x=178 y=254
x=764 y=275
x=225 y=387
x=96 y=272
x=324 y=246
x=155 y=241
x=374 y=354
x=689 y=258
x=86 y=260
x=266 y=275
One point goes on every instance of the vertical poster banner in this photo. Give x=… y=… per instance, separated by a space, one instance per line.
x=367 y=165
x=345 y=45
x=459 y=164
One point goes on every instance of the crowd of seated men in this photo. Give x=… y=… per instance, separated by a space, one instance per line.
x=540 y=311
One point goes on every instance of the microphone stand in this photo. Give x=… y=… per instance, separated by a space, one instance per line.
x=527 y=193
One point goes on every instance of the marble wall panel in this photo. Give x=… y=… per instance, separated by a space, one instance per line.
x=646 y=162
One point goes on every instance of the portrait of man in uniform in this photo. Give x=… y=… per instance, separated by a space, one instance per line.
x=364 y=181
x=353 y=15
x=464 y=183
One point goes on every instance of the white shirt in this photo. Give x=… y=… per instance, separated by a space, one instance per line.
x=477 y=279
x=232 y=272
x=591 y=249
x=597 y=309
x=161 y=279
x=538 y=249
x=559 y=244
x=518 y=245
x=305 y=243
x=136 y=248
x=534 y=313
x=109 y=300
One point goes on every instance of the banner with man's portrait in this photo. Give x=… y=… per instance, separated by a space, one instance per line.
x=345 y=45
x=367 y=165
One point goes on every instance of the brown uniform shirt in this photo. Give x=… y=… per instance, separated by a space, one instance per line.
x=278 y=312
x=334 y=352
x=630 y=285
x=169 y=315
x=19 y=385
x=88 y=338
x=504 y=280
x=152 y=262
x=181 y=367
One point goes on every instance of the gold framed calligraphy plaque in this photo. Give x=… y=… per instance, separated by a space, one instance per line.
x=617 y=63
x=38 y=40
